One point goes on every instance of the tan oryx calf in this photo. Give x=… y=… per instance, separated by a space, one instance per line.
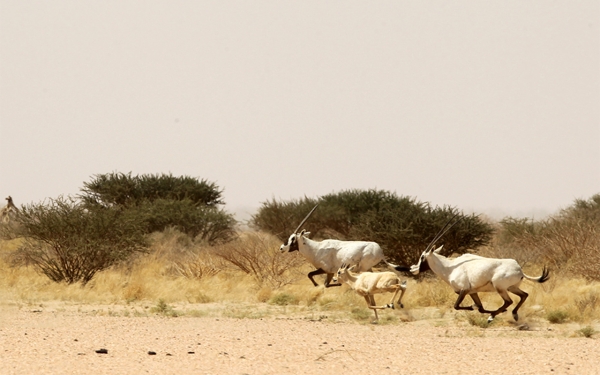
x=367 y=284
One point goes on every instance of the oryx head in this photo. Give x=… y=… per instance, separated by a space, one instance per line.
x=292 y=242
x=423 y=265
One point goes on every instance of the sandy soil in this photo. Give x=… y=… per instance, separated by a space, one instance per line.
x=65 y=341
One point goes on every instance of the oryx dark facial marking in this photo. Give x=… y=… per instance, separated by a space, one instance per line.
x=293 y=244
x=424 y=266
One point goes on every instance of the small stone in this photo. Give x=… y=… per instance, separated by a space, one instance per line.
x=102 y=351
x=150 y=352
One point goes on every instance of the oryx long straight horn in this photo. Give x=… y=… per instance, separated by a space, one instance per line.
x=443 y=231
x=306 y=218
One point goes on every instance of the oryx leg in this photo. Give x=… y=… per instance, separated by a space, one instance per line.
x=402 y=291
x=399 y=289
x=523 y=295
x=461 y=296
x=475 y=298
x=501 y=309
x=391 y=304
x=328 y=280
x=371 y=304
x=320 y=272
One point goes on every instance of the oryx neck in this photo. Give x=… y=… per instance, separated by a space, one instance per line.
x=307 y=247
x=439 y=264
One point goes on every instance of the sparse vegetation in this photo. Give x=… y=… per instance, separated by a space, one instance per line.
x=283 y=299
x=68 y=242
x=478 y=320
x=361 y=313
x=162 y=308
x=568 y=241
x=587 y=331
x=248 y=278
x=557 y=316
x=257 y=255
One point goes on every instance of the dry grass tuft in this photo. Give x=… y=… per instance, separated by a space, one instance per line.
x=257 y=254
x=152 y=277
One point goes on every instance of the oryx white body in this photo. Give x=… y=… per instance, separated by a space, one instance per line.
x=329 y=255
x=367 y=284
x=470 y=274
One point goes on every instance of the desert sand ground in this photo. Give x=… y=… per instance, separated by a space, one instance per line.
x=65 y=340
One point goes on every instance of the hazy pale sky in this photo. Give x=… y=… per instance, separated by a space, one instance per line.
x=491 y=107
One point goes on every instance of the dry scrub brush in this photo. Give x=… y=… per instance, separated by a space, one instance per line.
x=251 y=270
x=257 y=254
x=569 y=242
x=569 y=246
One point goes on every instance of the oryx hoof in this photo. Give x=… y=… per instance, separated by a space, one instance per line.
x=490 y=319
x=390 y=306
x=401 y=306
x=516 y=317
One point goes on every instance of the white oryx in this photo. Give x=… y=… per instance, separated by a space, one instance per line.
x=367 y=284
x=470 y=274
x=329 y=255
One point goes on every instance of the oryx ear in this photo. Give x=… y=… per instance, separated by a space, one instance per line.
x=437 y=251
x=305 y=233
x=302 y=232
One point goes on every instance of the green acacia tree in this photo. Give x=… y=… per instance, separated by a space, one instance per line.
x=163 y=200
x=125 y=190
x=402 y=225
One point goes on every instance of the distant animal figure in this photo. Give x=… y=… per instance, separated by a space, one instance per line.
x=329 y=255
x=367 y=284
x=9 y=211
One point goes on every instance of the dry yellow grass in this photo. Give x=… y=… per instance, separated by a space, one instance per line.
x=151 y=278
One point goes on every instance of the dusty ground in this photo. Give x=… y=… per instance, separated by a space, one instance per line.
x=65 y=340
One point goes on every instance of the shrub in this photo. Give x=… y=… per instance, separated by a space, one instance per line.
x=401 y=225
x=68 y=242
x=258 y=255
x=162 y=308
x=283 y=299
x=568 y=241
x=196 y=266
x=204 y=223
x=587 y=331
x=163 y=201
x=281 y=218
x=125 y=190
x=557 y=316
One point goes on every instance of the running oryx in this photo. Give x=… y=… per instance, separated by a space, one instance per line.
x=470 y=274
x=328 y=255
